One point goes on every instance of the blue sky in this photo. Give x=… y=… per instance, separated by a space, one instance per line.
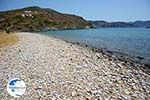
x=109 y=10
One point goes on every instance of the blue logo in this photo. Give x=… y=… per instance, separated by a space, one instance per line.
x=16 y=87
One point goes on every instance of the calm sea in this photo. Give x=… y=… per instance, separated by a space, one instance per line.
x=130 y=41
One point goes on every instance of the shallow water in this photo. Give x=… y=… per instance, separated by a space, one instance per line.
x=130 y=41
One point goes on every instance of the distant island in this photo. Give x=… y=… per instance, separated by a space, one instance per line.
x=40 y=19
x=100 y=23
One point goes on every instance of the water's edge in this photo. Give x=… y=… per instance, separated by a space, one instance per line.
x=134 y=61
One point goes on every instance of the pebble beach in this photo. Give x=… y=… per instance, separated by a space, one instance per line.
x=53 y=69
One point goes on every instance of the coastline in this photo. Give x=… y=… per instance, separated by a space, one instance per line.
x=127 y=60
x=70 y=71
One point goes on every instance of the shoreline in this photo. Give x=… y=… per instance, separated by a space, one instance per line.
x=55 y=69
x=127 y=60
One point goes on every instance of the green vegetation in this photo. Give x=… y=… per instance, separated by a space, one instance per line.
x=37 y=19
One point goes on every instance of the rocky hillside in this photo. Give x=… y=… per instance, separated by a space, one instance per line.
x=37 y=19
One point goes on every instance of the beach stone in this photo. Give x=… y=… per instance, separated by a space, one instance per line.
x=57 y=70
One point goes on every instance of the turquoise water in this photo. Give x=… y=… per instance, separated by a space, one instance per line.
x=131 y=41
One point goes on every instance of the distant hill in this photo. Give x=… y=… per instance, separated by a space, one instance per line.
x=37 y=19
x=142 y=23
x=120 y=24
